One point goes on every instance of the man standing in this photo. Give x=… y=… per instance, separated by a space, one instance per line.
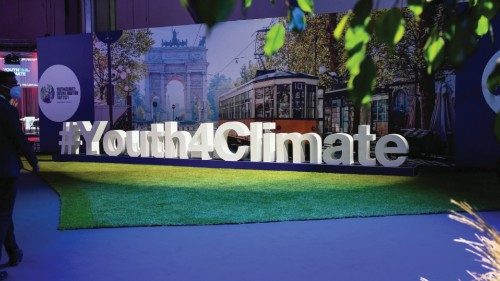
x=13 y=144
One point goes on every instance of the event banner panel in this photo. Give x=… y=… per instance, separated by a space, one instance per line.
x=476 y=106
x=65 y=91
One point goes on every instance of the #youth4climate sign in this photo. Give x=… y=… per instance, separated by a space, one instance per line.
x=59 y=93
x=165 y=141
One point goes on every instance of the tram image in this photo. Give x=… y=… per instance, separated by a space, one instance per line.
x=290 y=99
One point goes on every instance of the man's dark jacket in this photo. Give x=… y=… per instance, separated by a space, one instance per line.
x=13 y=142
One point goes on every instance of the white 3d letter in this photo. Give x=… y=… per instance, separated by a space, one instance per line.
x=176 y=142
x=157 y=137
x=345 y=147
x=114 y=142
x=298 y=143
x=256 y=141
x=145 y=144
x=202 y=143
x=133 y=144
x=269 y=146
x=92 y=134
x=220 y=142
x=364 y=137
x=381 y=150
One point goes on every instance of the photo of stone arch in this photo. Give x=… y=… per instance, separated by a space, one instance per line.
x=174 y=62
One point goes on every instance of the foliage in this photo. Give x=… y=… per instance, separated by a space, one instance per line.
x=306 y=5
x=211 y=12
x=275 y=39
x=487 y=246
x=318 y=47
x=126 y=64
x=218 y=85
x=390 y=28
x=457 y=36
x=309 y=50
x=247 y=73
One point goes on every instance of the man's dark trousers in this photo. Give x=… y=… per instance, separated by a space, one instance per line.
x=8 y=192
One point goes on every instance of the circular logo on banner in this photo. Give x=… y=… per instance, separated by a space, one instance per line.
x=492 y=99
x=59 y=93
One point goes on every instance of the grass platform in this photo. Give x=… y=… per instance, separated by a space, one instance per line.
x=113 y=195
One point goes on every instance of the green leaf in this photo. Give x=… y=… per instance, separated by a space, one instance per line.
x=184 y=3
x=493 y=81
x=390 y=27
x=496 y=127
x=364 y=83
x=210 y=12
x=247 y=3
x=487 y=8
x=353 y=64
x=416 y=6
x=366 y=99
x=275 y=39
x=461 y=39
x=307 y=6
x=356 y=35
x=434 y=51
x=339 y=29
x=361 y=11
x=483 y=25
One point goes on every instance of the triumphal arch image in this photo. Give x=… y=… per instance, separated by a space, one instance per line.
x=176 y=81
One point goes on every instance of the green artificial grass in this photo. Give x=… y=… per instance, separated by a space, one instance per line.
x=112 y=195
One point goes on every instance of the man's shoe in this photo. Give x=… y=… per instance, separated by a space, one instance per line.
x=3 y=275
x=15 y=257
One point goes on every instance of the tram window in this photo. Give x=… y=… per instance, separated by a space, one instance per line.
x=336 y=117
x=241 y=106
x=311 y=101
x=246 y=105
x=298 y=105
x=283 y=96
x=268 y=102
x=346 y=119
x=259 y=103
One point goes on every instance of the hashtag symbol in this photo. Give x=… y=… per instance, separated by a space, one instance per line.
x=70 y=138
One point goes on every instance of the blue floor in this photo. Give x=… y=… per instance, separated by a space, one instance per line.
x=385 y=248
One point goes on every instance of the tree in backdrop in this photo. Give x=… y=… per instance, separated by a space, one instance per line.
x=316 y=47
x=457 y=37
x=127 y=65
x=218 y=85
x=309 y=50
x=405 y=62
x=247 y=73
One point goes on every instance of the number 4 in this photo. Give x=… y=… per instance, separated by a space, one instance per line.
x=202 y=143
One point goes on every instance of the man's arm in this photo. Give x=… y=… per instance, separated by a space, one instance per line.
x=20 y=142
